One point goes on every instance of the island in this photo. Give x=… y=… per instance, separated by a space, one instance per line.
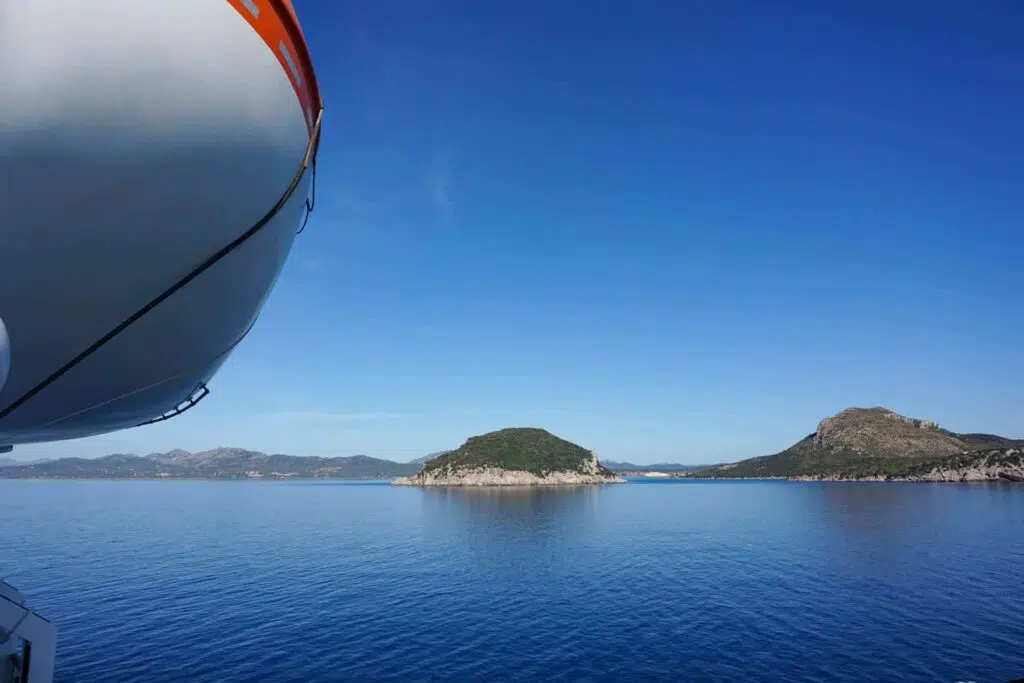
x=517 y=456
x=878 y=444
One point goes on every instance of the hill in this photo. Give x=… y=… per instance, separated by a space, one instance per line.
x=879 y=444
x=514 y=456
x=220 y=463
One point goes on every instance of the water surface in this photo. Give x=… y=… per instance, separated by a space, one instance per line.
x=232 y=582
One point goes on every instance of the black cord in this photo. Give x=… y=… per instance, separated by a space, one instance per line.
x=307 y=160
x=310 y=202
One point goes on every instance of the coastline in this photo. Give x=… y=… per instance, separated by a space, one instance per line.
x=993 y=466
x=923 y=479
x=492 y=476
x=860 y=480
x=404 y=481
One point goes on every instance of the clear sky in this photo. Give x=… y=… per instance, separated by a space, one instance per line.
x=665 y=230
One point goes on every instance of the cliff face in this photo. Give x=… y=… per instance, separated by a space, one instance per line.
x=879 y=432
x=513 y=457
x=1005 y=465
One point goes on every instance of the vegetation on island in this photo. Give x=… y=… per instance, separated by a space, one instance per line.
x=525 y=449
x=867 y=443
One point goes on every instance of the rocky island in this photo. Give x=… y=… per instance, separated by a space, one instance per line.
x=877 y=444
x=513 y=457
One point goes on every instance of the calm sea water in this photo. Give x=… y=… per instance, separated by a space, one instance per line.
x=651 y=581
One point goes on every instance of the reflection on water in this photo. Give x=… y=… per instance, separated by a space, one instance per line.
x=870 y=509
x=898 y=534
x=522 y=517
x=876 y=531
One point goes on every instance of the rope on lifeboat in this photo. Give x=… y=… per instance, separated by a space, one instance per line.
x=308 y=160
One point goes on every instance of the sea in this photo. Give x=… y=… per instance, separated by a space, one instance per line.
x=653 y=580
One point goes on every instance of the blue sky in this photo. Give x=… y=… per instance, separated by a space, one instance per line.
x=665 y=230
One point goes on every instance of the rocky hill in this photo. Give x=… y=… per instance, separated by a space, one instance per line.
x=513 y=457
x=879 y=444
x=220 y=463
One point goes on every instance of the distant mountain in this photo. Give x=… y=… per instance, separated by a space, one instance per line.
x=9 y=462
x=427 y=457
x=657 y=467
x=220 y=463
x=877 y=443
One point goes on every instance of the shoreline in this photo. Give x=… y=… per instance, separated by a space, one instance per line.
x=507 y=485
x=865 y=480
x=543 y=484
x=449 y=476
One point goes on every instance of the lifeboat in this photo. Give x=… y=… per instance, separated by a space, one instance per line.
x=156 y=162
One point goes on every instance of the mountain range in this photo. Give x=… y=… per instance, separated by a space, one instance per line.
x=617 y=466
x=10 y=462
x=219 y=463
x=428 y=456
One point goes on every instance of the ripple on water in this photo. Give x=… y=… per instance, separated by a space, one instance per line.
x=663 y=581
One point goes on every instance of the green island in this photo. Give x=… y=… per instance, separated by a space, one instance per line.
x=877 y=444
x=519 y=456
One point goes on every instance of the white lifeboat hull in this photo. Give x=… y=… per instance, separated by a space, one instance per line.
x=137 y=139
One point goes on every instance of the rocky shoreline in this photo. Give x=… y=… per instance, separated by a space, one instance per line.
x=493 y=476
x=994 y=466
x=977 y=475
